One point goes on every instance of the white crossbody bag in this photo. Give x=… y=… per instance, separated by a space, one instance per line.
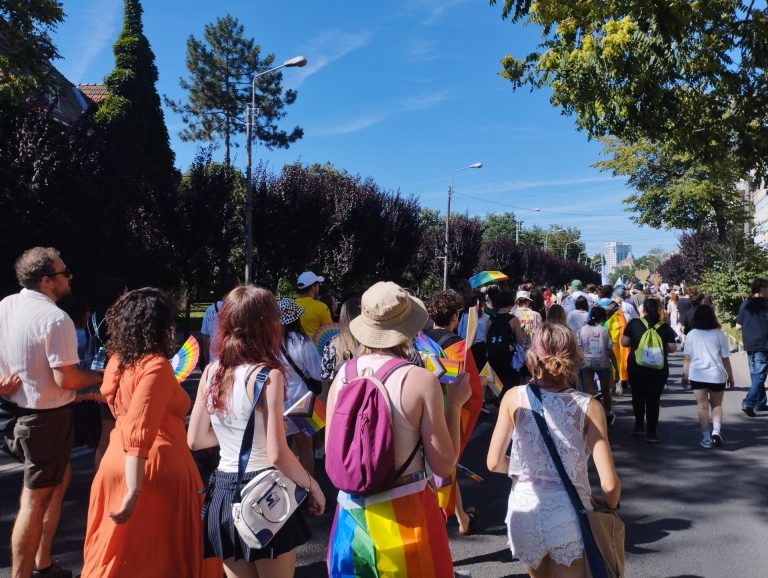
x=264 y=504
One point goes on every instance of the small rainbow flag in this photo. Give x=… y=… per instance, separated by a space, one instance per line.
x=469 y=473
x=434 y=364
x=486 y=371
x=185 y=360
x=424 y=344
x=496 y=385
x=471 y=328
x=311 y=422
x=324 y=334
x=400 y=532
x=452 y=369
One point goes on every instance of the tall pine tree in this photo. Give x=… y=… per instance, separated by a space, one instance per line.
x=221 y=67
x=141 y=179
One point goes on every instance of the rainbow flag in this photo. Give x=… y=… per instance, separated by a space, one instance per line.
x=185 y=360
x=400 y=532
x=471 y=328
x=616 y=324
x=313 y=422
x=452 y=369
x=496 y=386
x=469 y=473
x=470 y=411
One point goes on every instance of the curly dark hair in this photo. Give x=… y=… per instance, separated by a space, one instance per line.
x=142 y=322
x=442 y=308
x=34 y=264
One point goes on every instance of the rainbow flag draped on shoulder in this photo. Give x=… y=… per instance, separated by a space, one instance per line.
x=400 y=532
x=616 y=323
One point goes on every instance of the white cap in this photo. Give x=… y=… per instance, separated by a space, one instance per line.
x=308 y=278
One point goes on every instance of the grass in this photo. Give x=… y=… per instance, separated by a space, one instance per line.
x=730 y=331
x=196 y=313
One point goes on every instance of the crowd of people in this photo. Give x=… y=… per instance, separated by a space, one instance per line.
x=388 y=415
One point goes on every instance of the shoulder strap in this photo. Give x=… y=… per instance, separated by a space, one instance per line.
x=247 y=443
x=293 y=364
x=594 y=558
x=642 y=319
x=444 y=337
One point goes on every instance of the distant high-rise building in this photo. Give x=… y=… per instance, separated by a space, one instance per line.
x=615 y=252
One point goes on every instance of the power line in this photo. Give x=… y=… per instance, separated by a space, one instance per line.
x=540 y=210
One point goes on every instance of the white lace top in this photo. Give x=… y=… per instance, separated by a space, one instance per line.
x=565 y=413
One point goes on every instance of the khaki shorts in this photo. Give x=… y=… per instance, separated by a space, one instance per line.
x=42 y=441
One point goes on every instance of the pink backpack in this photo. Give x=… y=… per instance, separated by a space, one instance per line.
x=360 y=451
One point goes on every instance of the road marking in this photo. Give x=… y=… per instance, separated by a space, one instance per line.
x=17 y=467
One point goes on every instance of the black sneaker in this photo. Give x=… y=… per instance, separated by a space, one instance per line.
x=610 y=417
x=717 y=439
x=749 y=411
x=54 y=571
x=762 y=408
x=652 y=439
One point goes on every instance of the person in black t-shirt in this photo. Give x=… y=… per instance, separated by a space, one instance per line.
x=647 y=383
x=753 y=324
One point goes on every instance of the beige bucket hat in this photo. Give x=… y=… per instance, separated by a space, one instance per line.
x=388 y=316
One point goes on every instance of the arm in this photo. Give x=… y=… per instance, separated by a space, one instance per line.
x=498 y=460
x=597 y=438
x=729 y=371
x=281 y=456
x=134 y=479
x=626 y=341
x=72 y=377
x=440 y=428
x=9 y=385
x=686 y=366
x=200 y=434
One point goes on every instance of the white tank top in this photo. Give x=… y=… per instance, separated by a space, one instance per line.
x=229 y=426
x=565 y=413
x=405 y=435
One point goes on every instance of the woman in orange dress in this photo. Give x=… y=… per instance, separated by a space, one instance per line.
x=144 y=510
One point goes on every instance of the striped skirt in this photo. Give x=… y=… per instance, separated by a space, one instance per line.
x=400 y=532
x=220 y=537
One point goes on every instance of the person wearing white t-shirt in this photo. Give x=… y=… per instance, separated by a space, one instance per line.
x=707 y=370
x=38 y=352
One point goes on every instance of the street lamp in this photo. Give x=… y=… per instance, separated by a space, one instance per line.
x=565 y=250
x=448 y=217
x=546 y=236
x=249 y=272
x=578 y=259
x=519 y=225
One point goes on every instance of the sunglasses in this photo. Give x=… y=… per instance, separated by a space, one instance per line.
x=66 y=272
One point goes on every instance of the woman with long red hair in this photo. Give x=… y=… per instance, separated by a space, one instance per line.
x=248 y=340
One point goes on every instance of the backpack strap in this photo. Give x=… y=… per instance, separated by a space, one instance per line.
x=247 y=444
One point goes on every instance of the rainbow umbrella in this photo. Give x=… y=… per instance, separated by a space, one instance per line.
x=485 y=277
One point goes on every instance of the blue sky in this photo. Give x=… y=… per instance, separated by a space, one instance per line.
x=403 y=92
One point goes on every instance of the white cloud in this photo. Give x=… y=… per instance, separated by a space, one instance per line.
x=324 y=49
x=100 y=30
x=436 y=8
x=350 y=125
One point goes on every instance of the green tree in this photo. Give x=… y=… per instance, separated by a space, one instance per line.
x=501 y=226
x=624 y=272
x=674 y=190
x=690 y=74
x=26 y=47
x=139 y=177
x=221 y=68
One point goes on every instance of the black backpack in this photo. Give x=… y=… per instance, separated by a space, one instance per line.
x=500 y=341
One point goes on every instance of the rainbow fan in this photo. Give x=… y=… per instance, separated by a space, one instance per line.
x=469 y=473
x=185 y=360
x=324 y=334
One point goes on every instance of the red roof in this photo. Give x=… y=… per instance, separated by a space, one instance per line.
x=93 y=92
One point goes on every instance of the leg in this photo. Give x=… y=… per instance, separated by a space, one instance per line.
x=702 y=404
x=758 y=370
x=653 y=401
x=588 y=381
x=638 y=402
x=28 y=529
x=577 y=569
x=107 y=425
x=240 y=569
x=716 y=402
x=281 y=567
x=51 y=521
x=544 y=569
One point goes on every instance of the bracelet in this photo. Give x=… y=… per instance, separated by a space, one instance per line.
x=309 y=489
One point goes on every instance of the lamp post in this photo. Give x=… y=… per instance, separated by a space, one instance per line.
x=578 y=259
x=448 y=217
x=519 y=225
x=546 y=236
x=565 y=250
x=249 y=271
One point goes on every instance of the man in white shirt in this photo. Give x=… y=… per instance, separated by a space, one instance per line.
x=211 y=319
x=38 y=346
x=569 y=302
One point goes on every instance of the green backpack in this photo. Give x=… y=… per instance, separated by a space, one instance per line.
x=650 y=350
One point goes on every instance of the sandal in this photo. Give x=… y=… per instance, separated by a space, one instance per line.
x=472 y=513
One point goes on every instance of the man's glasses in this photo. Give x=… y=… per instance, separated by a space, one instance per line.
x=66 y=272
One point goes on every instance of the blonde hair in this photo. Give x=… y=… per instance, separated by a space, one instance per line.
x=404 y=350
x=345 y=343
x=554 y=357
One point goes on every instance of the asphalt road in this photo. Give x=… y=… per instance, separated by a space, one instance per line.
x=690 y=512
